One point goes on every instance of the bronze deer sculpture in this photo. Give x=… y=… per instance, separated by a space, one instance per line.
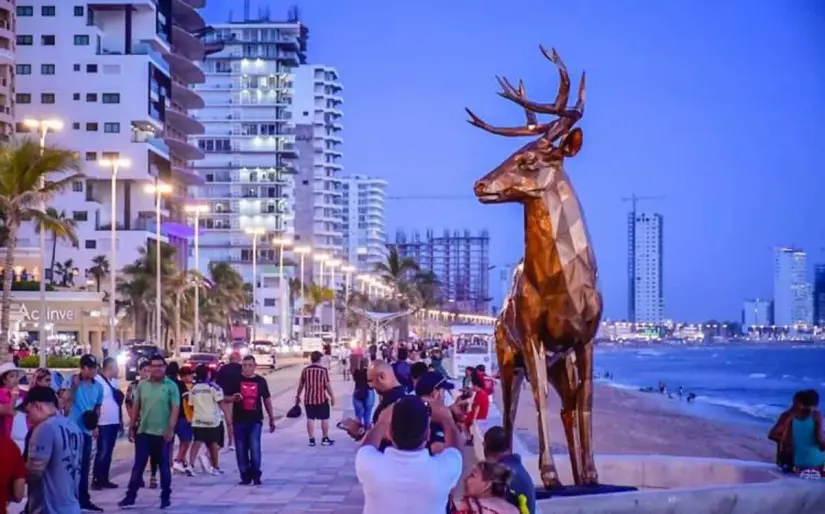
x=552 y=313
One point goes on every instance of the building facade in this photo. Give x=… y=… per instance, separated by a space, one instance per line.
x=819 y=295
x=645 y=267
x=8 y=25
x=756 y=313
x=250 y=151
x=792 y=294
x=118 y=75
x=460 y=260
x=364 y=226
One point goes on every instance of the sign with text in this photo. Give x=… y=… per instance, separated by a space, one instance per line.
x=51 y=314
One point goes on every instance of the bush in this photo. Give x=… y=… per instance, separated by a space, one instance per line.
x=53 y=362
x=29 y=285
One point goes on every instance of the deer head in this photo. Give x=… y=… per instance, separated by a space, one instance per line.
x=529 y=171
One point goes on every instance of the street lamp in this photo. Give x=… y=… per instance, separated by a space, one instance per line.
x=114 y=165
x=349 y=270
x=43 y=127
x=254 y=232
x=281 y=243
x=332 y=264
x=158 y=189
x=302 y=251
x=321 y=259
x=197 y=210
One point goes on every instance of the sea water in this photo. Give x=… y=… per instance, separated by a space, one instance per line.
x=745 y=384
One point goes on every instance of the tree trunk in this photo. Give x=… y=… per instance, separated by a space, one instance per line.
x=177 y=324
x=54 y=256
x=5 y=304
x=97 y=280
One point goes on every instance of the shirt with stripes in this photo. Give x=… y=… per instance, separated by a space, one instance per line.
x=315 y=379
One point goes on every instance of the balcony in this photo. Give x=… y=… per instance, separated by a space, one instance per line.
x=186 y=16
x=187 y=71
x=187 y=98
x=187 y=176
x=183 y=122
x=182 y=148
x=187 y=45
x=196 y=4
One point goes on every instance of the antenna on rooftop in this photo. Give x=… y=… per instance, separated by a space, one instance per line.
x=245 y=10
x=293 y=14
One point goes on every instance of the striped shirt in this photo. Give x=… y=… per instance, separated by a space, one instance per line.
x=315 y=380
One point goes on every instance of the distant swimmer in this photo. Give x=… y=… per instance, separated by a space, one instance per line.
x=691 y=397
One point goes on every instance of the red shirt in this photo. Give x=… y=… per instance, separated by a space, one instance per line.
x=13 y=468
x=481 y=405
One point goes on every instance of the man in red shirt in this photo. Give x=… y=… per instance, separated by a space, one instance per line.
x=12 y=473
x=318 y=398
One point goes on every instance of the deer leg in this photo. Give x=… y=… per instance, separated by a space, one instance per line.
x=562 y=375
x=584 y=366
x=507 y=370
x=537 y=375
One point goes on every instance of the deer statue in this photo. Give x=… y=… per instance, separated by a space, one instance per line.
x=552 y=313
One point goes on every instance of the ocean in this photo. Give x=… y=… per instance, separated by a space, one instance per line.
x=749 y=385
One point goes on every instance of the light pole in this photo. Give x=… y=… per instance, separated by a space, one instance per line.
x=302 y=251
x=254 y=232
x=43 y=127
x=197 y=210
x=320 y=258
x=114 y=165
x=349 y=270
x=332 y=264
x=281 y=243
x=158 y=189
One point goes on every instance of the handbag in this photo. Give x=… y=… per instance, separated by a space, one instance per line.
x=294 y=412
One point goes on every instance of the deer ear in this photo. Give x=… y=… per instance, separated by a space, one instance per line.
x=572 y=142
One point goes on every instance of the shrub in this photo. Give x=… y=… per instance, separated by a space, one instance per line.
x=53 y=362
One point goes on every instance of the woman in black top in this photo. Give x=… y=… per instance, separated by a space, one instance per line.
x=363 y=397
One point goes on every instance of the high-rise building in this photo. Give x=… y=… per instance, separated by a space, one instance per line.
x=7 y=68
x=364 y=226
x=645 y=267
x=460 y=260
x=756 y=313
x=819 y=295
x=117 y=73
x=792 y=294
x=250 y=151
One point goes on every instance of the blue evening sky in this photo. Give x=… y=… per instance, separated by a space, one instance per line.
x=719 y=106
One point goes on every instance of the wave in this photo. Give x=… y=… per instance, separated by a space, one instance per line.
x=649 y=353
x=758 y=375
x=757 y=410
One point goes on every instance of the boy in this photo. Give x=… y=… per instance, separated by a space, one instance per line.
x=205 y=402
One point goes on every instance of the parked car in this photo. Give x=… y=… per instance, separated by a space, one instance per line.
x=211 y=360
x=185 y=352
x=131 y=357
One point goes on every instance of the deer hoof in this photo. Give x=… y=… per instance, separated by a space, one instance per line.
x=590 y=477
x=550 y=478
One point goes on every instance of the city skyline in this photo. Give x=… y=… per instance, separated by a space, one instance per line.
x=690 y=98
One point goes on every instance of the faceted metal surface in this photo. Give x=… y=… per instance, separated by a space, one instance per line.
x=549 y=319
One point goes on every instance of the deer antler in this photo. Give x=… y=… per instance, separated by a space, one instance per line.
x=552 y=130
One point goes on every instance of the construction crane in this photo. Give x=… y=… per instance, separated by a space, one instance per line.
x=634 y=200
x=432 y=197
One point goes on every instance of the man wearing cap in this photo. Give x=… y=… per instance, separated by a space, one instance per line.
x=55 y=452
x=85 y=397
x=430 y=387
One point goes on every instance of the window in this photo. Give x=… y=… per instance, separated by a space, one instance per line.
x=47 y=40
x=80 y=215
x=91 y=97
x=24 y=40
x=47 y=10
x=78 y=10
x=111 y=128
x=47 y=69
x=91 y=244
x=110 y=155
x=23 y=98
x=25 y=10
x=111 y=98
x=23 y=69
x=91 y=127
x=76 y=126
x=75 y=67
x=91 y=68
x=77 y=186
x=46 y=98
x=91 y=156
x=81 y=40
x=269 y=302
x=76 y=96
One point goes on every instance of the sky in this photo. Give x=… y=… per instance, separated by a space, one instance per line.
x=719 y=107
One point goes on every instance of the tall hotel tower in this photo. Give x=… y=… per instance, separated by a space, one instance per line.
x=792 y=294
x=645 y=269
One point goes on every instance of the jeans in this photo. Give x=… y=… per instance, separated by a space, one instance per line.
x=248 y=449
x=151 y=446
x=363 y=409
x=106 y=439
x=85 y=466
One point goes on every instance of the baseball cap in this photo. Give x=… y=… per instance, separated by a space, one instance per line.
x=6 y=367
x=430 y=381
x=88 y=361
x=38 y=394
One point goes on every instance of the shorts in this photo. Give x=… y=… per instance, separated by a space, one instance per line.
x=208 y=435
x=183 y=429
x=319 y=411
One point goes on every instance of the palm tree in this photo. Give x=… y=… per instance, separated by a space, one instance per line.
x=178 y=286
x=65 y=270
x=136 y=286
x=396 y=270
x=24 y=188
x=316 y=296
x=425 y=290
x=99 y=269
x=295 y=287
x=61 y=228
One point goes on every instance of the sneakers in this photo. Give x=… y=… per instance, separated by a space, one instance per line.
x=90 y=507
x=312 y=442
x=99 y=486
x=256 y=481
x=190 y=472
x=327 y=442
x=126 y=503
x=216 y=472
x=204 y=463
x=245 y=481
x=231 y=447
x=179 y=467
x=165 y=504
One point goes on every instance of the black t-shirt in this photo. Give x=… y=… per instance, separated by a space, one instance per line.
x=436 y=435
x=229 y=378
x=254 y=390
x=387 y=399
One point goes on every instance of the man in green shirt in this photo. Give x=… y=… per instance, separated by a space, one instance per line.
x=153 y=418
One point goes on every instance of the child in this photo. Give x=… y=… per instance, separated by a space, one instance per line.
x=204 y=400
x=183 y=429
x=9 y=392
x=480 y=404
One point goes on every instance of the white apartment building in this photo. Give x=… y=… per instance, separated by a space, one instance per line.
x=645 y=268
x=756 y=313
x=792 y=294
x=250 y=151
x=117 y=73
x=364 y=227
x=7 y=42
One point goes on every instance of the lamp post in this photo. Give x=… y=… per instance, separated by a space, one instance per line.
x=158 y=189
x=254 y=232
x=320 y=258
x=114 y=165
x=282 y=243
x=349 y=270
x=43 y=127
x=197 y=210
x=302 y=251
x=332 y=264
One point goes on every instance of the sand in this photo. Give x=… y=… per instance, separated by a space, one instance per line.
x=630 y=422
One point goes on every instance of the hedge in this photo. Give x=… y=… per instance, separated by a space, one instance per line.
x=53 y=362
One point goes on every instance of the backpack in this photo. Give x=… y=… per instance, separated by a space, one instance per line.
x=403 y=373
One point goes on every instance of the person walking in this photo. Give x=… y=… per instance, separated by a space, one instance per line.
x=363 y=397
x=248 y=418
x=109 y=426
x=144 y=370
x=205 y=399
x=153 y=419
x=183 y=428
x=53 y=467
x=229 y=380
x=85 y=398
x=318 y=397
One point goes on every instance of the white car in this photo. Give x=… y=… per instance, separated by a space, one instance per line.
x=185 y=353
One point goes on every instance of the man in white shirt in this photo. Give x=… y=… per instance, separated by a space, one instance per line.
x=406 y=479
x=109 y=426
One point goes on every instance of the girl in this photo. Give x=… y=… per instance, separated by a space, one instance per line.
x=485 y=491
x=9 y=393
